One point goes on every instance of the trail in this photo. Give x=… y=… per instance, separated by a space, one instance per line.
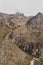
x=32 y=61
x=7 y=37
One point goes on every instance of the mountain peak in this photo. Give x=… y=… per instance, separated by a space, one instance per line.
x=36 y=20
x=20 y=15
x=39 y=14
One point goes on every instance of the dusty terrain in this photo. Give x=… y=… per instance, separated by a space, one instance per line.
x=21 y=38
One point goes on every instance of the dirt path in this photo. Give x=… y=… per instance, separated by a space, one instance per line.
x=32 y=61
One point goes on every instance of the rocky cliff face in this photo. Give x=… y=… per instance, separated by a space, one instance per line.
x=36 y=27
x=36 y=20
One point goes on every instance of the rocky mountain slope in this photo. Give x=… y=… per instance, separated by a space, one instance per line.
x=36 y=27
x=20 y=36
x=10 y=54
x=36 y=20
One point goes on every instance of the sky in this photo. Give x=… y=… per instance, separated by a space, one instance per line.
x=28 y=7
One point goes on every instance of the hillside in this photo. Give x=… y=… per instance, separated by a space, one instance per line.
x=21 y=38
x=10 y=54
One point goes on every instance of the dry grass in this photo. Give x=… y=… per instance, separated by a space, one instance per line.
x=2 y=34
x=10 y=54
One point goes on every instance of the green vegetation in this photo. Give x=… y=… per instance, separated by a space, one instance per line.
x=39 y=62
